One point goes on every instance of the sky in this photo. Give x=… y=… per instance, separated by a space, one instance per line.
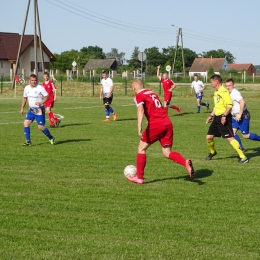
x=233 y=26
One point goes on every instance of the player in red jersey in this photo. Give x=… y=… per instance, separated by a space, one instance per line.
x=168 y=86
x=159 y=128
x=51 y=90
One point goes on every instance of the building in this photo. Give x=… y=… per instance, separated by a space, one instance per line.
x=201 y=66
x=248 y=67
x=9 y=45
x=93 y=64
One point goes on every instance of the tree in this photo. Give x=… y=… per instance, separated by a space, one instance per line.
x=219 y=54
x=134 y=61
x=93 y=52
x=119 y=57
x=154 y=57
x=211 y=72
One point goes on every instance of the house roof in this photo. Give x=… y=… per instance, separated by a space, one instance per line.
x=9 y=45
x=203 y=64
x=239 y=67
x=100 y=63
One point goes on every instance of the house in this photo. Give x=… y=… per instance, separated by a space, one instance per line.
x=201 y=66
x=248 y=67
x=93 y=64
x=9 y=45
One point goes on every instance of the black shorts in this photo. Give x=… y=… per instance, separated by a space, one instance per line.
x=217 y=129
x=106 y=100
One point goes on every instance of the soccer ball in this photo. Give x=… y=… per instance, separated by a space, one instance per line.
x=130 y=171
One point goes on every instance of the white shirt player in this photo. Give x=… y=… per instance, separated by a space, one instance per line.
x=34 y=94
x=197 y=86
x=107 y=84
x=236 y=97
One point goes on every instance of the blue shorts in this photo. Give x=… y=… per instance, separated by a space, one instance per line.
x=40 y=119
x=242 y=125
x=199 y=95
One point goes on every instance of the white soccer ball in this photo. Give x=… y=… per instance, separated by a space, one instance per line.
x=130 y=171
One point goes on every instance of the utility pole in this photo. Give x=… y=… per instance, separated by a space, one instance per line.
x=176 y=48
x=36 y=26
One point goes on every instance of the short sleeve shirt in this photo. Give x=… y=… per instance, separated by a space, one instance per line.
x=49 y=87
x=167 y=84
x=197 y=85
x=35 y=94
x=153 y=109
x=222 y=99
x=107 y=84
x=236 y=97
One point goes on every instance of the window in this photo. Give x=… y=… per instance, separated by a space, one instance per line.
x=2 y=64
x=39 y=66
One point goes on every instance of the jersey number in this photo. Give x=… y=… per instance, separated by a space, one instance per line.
x=156 y=101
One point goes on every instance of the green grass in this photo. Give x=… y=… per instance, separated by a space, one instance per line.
x=71 y=200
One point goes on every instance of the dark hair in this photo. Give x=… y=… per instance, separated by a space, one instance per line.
x=33 y=76
x=104 y=71
x=216 y=77
x=230 y=80
x=46 y=73
x=196 y=75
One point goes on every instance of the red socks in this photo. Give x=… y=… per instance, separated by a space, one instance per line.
x=177 y=157
x=174 y=107
x=52 y=117
x=140 y=165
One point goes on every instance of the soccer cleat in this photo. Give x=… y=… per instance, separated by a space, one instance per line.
x=179 y=110
x=106 y=120
x=27 y=143
x=52 y=126
x=243 y=160
x=189 y=167
x=114 y=117
x=57 y=123
x=209 y=157
x=208 y=107
x=135 y=179
x=52 y=141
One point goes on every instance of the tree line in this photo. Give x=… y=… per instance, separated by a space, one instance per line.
x=154 y=57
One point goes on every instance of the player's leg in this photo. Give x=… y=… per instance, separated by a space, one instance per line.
x=41 y=126
x=212 y=132
x=111 y=110
x=204 y=104
x=50 y=114
x=198 y=104
x=237 y=125
x=245 y=131
x=107 y=107
x=29 y=118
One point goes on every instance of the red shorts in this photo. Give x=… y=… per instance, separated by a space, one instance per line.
x=49 y=103
x=161 y=133
x=167 y=96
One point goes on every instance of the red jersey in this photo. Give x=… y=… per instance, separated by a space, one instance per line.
x=167 y=84
x=49 y=87
x=153 y=109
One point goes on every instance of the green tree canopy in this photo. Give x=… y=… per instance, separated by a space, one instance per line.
x=219 y=54
x=114 y=54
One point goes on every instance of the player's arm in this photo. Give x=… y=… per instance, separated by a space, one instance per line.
x=140 y=116
x=101 y=91
x=173 y=86
x=158 y=72
x=191 y=89
x=24 y=101
x=54 y=89
x=111 y=91
x=45 y=98
x=241 y=105
x=210 y=118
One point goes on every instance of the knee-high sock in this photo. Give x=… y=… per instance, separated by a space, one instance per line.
x=239 y=141
x=174 y=107
x=111 y=110
x=27 y=133
x=140 y=165
x=107 y=113
x=53 y=116
x=198 y=107
x=235 y=145
x=177 y=157
x=47 y=133
x=211 y=144
x=254 y=137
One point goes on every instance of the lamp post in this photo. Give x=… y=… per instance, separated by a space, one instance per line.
x=176 y=47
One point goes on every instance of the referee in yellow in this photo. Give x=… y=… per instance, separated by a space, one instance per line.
x=221 y=119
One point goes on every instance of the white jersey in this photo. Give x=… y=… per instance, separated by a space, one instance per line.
x=107 y=84
x=197 y=86
x=236 y=97
x=34 y=94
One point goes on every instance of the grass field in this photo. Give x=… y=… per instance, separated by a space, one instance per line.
x=71 y=200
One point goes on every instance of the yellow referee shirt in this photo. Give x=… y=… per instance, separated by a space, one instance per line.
x=222 y=100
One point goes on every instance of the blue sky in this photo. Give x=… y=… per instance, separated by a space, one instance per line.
x=207 y=25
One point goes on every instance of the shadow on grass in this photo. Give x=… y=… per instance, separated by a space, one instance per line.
x=72 y=141
x=73 y=124
x=200 y=174
x=126 y=119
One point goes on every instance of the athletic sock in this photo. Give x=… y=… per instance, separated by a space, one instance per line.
x=47 y=133
x=107 y=113
x=177 y=157
x=211 y=144
x=51 y=118
x=140 y=165
x=198 y=108
x=254 y=137
x=174 y=107
x=239 y=141
x=111 y=110
x=27 y=133
x=203 y=104
x=235 y=145
x=54 y=117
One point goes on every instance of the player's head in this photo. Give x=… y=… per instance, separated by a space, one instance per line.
x=165 y=75
x=104 y=74
x=230 y=85
x=137 y=85
x=46 y=75
x=216 y=81
x=33 y=80
x=196 y=77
